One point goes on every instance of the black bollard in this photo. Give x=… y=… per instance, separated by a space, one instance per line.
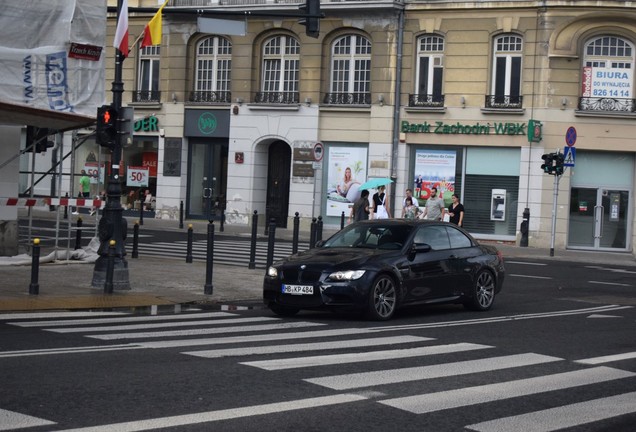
x=319 y=229
x=141 y=212
x=181 y=215
x=66 y=207
x=34 y=286
x=189 y=244
x=295 y=235
x=222 y=220
x=312 y=233
x=78 y=234
x=110 y=267
x=252 y=263
x=135 y=247
x=208 y=288
x=270 y=243
x=342 y=220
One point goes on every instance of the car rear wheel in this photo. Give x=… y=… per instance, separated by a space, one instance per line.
x=283 y=310
x=483 y=294
x=382 y=299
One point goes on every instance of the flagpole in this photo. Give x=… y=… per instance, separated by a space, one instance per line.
x=112 y=225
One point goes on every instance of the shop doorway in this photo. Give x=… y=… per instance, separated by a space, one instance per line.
x=278 y=173
x=598 y=219
x=207 y=180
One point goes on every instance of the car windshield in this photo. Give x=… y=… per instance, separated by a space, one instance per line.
x=372 y=236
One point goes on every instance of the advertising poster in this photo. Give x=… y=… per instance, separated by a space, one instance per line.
x=347 y=170
x=434 y=168
x=607 y=82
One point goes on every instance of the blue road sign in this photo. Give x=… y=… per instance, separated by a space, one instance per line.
x=569 y=154
x=570 y=136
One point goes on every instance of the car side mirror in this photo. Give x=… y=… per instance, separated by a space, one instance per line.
x=320 y=243
x=421 y=247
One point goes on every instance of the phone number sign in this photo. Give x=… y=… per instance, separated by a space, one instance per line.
x=137 y=176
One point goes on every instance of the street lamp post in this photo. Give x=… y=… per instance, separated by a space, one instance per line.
x=112 y=225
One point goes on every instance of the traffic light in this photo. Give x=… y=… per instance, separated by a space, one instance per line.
x=312 y=20
x=548 y=160
x=37 y=139
x=106 y=131
x=559 y=160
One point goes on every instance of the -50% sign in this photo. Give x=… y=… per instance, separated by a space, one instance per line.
x=137 y=176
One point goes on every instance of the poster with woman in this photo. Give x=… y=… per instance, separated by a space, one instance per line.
x=347 y=170
x=434 y=168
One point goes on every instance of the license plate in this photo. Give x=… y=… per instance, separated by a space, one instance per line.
x=298 y=289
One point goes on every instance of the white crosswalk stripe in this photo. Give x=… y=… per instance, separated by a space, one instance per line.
x=264 y=342
x=229 y=252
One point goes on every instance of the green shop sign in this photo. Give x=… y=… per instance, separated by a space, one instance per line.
x=147 y=124
x=439 y=127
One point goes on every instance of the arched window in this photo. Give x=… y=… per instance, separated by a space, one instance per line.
x=506 y=77
x=350 y=71
x=213 y=70
x=608 y=75
x=281 y=63
x=148 y=75
x=430 y=72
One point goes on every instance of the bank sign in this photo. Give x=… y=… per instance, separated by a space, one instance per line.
x=458 y=128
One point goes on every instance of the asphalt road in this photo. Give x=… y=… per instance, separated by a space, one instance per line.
x=557 y=352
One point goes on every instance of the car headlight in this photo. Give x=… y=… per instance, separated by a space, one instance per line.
x=346 y=275
x=272 y=272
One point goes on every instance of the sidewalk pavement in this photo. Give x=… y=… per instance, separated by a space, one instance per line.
x=66 y=284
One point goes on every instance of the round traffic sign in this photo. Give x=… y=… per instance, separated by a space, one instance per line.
x=570 y=136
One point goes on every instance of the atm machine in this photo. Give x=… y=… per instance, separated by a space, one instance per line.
x=498 y=205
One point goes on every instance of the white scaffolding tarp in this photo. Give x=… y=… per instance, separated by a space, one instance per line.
x=52 y=54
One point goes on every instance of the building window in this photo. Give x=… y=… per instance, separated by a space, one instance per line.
x=281 y=62
x=213 y=71
x=148 y=75
x=506 y=78
x=350 y=71
x=430 y=73
x=608 y=75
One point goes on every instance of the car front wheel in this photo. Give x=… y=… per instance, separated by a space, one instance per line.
x=382 y=299
x=483 y=294
x=283 y=310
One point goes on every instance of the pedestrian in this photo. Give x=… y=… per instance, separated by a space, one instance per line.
x=381 y=204
x=411 y=211
x=409 y=194
x=360 y=209
x=456 y=211
x=434 y=208
x=84 y=188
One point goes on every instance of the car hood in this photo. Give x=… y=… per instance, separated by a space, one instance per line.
x=333 y=257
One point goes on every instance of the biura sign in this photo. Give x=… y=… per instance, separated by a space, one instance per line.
x=439 y=127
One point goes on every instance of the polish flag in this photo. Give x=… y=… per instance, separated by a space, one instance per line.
x=121 y=34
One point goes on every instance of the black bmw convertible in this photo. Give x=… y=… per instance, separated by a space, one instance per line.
x=378 y=266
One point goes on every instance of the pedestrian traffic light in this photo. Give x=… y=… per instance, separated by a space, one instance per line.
x=548 y=160
x=37 y=139
x=559 y=160
x=312 y=20
x=106 y=131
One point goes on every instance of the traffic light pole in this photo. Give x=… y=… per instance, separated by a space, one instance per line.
x=555 y=198
x=112 y=225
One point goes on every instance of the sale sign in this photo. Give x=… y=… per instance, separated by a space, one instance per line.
x=96 y=174
x=137 y=176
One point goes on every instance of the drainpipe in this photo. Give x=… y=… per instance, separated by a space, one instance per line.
x=396 y=108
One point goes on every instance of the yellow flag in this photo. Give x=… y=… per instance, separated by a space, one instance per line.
x=152 y=32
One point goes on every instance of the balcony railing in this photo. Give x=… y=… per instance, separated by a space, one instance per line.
x=197 y=3
x=284 y=98
x=426 y=101
x=211 y=97
x=504 y=101
x=607 y=104
x=146 y=96
x=347 y=99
